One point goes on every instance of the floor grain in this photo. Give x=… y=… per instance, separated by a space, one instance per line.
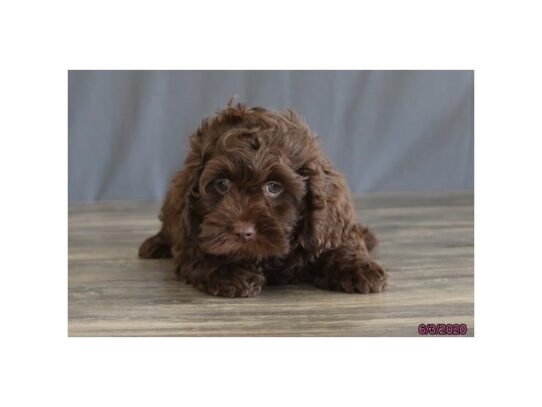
x=427 y=245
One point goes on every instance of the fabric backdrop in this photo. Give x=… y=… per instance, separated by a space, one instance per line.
x=386 y=130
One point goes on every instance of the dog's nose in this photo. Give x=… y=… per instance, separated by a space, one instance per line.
x=245 y=231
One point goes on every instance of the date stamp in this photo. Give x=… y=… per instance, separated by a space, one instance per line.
x=442 y=329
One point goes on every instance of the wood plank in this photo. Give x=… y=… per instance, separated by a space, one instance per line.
x=426 y=244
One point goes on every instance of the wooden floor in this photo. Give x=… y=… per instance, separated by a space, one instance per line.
x=426 y=245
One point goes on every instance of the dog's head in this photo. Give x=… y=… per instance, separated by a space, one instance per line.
x=257 y=186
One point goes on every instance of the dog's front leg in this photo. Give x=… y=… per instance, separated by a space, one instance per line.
x=349 y=268
x=234 y=281
x=223 y=279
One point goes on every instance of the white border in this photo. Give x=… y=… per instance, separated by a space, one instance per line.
x=42 y=40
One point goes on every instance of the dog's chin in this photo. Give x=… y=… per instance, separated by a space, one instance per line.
x=234 y=249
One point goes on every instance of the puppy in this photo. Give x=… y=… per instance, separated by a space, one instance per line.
x=258 y=203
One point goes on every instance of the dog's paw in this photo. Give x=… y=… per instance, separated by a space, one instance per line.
x=362 y=276
x=155 y=247
x=235 y=282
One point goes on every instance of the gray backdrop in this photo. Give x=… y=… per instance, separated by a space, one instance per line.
x=386 y=130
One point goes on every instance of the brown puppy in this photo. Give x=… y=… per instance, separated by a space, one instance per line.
x=257 y=202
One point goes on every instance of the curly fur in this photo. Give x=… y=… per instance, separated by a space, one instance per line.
x=308 y=233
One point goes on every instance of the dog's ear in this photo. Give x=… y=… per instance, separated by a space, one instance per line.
x=176 y=214
x=329 y=211
x=178 y=211
x=184 y=191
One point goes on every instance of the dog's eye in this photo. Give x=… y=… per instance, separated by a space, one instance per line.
x=222 y=185
x=273 y=188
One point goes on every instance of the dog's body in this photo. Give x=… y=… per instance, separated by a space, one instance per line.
x=258 y=203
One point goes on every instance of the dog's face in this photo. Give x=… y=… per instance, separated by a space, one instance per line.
x=250 y=197
x=256 y=185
